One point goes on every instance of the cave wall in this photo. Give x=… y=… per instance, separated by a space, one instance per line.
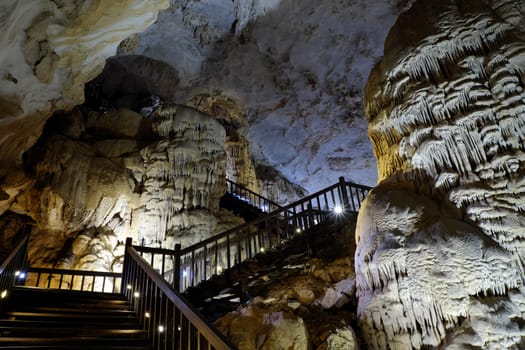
x=97 y=178
x=300 y=94
x=440 y=250
x=49 y=50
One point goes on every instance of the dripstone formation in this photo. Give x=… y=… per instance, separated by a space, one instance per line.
x=440 y=250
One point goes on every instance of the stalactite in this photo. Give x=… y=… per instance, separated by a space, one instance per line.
x=450 y=109
x=184 y=171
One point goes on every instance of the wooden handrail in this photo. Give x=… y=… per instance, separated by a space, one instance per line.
x=43 y=277
x=19 y=246
x=270 y=206
x=140 y=282
x=201 y=260
x=13 y=264
x=270 y=215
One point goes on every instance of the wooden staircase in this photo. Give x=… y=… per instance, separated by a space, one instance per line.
x=142 y=307
x=35 y=318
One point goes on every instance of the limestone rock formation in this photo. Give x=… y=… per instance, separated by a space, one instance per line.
x=49 y=50
x=184 y=173
x=301 y=94
x=96 y=178
x=304 y=306
x=81 y=196
x=440 y=250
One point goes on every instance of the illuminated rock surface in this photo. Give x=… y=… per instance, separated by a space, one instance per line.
x=300 y=94
x=49 y=50
x=439 y=260
x=97 y=178
x=304 y=306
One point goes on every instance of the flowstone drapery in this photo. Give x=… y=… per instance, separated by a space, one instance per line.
x=184 y=177
x=440 y=251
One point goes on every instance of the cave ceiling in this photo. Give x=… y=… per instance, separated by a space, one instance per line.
x=296 y=68
x=291 y=72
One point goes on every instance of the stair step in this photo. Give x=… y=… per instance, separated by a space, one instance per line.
x=26 y=315
x=76 y=347
x=82 y=340
x=67 y=294
x=59 y=310
x=81 y=323
x=65 y=305
x=65 y=299
x=49 y=332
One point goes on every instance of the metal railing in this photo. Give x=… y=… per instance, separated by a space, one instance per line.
x=242 y=193
x=188 y=267
x=153 y=286
x=13 y=266
x=170 y=321
x=81 y=280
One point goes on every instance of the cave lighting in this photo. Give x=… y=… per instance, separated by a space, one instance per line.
x=147 y=314
x=338 y=209
x=262 y=249
x=161 y=328
x=4 y=294
x=129 y=286
x=136 y=294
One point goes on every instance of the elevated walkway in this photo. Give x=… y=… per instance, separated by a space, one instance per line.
x=153 y=278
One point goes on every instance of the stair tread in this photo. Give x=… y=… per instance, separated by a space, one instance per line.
x=69 y=310
x=78 y=324
x=71 y=340
x=76 y=347
x=77 y=331
x=63 y=292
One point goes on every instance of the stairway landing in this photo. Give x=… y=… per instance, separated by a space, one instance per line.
x=34 y=318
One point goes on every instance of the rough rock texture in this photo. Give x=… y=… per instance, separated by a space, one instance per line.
x=306 y=305
x=95 y=178
x=440 y=250
x=82 y=196
x=184 y=173
x=302 y=94
x=49 y=49
x=239 y=167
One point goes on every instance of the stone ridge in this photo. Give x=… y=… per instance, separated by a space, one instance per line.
x=441 y=238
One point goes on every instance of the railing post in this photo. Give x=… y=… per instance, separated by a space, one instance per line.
x=344 y=194
x=310 y=240
x=125 y=268
x=176 y=268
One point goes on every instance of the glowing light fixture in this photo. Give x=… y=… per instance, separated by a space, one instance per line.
x=161 y=328
x=298 y=230
x=136 y=294
x=262 y=249
x=129 y=286
x=338 y=209
x=147 y=314
x=4 y=294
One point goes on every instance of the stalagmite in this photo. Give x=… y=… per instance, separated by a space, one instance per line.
x=441 y=239
x=184 y=175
